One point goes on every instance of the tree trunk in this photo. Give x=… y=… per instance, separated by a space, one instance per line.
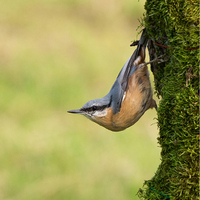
x=173 y=29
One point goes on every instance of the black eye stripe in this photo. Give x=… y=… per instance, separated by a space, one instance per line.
x=94 y=108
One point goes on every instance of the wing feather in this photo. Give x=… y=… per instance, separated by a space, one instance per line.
x=120 y=86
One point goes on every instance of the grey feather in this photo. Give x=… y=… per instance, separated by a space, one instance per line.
x=115 y=96
x=120 y=86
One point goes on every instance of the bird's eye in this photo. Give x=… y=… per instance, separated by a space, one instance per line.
x=94 y=108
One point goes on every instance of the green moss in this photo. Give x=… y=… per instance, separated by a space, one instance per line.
x=175 y=23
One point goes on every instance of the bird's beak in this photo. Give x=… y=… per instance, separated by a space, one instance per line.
x=76 y=111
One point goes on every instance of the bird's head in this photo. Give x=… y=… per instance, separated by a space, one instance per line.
x=94 y=110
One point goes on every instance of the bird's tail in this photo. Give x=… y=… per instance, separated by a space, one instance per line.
x=140 y=51
x=143 y=39
x=133 y=60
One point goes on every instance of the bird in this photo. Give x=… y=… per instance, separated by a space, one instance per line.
x=130 y=96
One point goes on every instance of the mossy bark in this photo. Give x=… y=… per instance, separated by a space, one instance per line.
x=175 y=24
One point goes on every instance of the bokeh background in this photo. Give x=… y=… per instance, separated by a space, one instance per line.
x=55 y=55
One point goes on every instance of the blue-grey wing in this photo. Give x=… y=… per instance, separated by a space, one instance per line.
x=120 y=86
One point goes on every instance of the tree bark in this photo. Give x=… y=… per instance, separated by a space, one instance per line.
x=173 y=30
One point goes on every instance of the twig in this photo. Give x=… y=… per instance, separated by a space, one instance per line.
x=158 y=60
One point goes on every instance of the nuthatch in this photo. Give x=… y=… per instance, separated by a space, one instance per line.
x=129 y=98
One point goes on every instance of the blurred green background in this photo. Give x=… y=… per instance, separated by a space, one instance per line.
x=55 y=55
